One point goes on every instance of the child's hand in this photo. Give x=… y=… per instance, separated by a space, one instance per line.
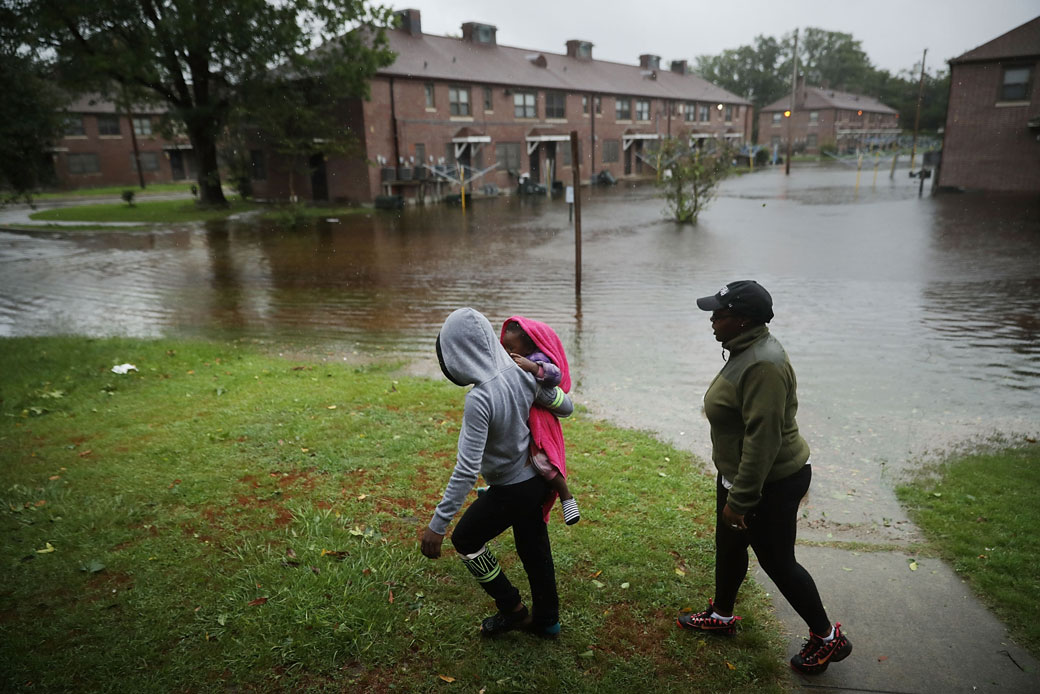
x=524 y=363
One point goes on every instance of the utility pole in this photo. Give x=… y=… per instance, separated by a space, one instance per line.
x=917 y=116
x=576 y=171
x=794 y=88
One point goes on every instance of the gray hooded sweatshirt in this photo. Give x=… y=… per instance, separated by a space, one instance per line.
x=494 y=439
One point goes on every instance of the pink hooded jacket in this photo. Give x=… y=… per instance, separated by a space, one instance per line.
x=546 y=432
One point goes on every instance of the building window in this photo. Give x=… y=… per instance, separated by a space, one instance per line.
x=622 y=109
x=810 y=140
x=729 y=114
x=585 y=105
x=1015 y=86
x=108 y=124
x=487 y=99
x=420 y=153
x=149 y=161
x=705 y=113
x=458 y=101
x=610 y=151
x=691 y=112
x=74 y=126
x=642 y=109
x=814 y=117
x=507 y=154
x=555 y=105
x=257 y=165
x=142 y=125
x=597 y=103
x=428 y=90
x=524 y=105
x=776 y=118
x=563 y=149
x=84 y=163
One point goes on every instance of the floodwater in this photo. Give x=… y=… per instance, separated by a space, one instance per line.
x=913 y=323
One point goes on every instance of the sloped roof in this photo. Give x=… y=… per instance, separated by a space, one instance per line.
x=427 y=56
x=817 y=98
x=1021 y=42
x=95 y=103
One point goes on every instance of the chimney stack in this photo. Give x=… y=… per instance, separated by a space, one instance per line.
x=410 y=22
x=680 y=66
x=579 y=49
x=649 y=62
x=483 y=34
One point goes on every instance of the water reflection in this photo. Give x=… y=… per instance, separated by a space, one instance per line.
x=912 y=323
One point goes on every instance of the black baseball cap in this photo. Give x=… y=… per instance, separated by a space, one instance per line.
x=746 y=297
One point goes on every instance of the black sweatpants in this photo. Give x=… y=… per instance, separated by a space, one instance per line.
x=518 y=506
x=772 y=526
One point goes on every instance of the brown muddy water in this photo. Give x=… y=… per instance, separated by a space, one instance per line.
x=913 y=324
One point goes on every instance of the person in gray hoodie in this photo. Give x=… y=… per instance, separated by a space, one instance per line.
x=494 y=442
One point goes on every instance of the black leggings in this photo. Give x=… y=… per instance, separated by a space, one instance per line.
x=520 y=506
x=772 y=526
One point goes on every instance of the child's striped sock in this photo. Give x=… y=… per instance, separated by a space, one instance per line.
x=570 y=511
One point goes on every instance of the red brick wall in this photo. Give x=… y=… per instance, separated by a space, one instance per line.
x=115 y=156
x=988 y=146
x=358 y=178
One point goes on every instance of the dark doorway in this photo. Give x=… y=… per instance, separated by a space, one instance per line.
x=628 y=159
x=550 y=156
x=177 y=164
x=319 y=177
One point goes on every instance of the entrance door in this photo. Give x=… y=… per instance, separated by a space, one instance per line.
x=177 y=164
x=628 y=160
x=535 y=173
x=550 y=156
x=319 y=177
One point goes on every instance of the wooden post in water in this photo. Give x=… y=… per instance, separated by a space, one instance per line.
x=462 y=184
x=576 y=172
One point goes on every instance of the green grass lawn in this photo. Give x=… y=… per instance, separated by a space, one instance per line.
x=116 y=191
x=224 y=519
x=981 y=512
x=150 y=211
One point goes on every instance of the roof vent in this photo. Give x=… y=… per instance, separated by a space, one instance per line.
x=537 y=59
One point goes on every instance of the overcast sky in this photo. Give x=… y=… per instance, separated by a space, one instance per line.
x=893 y=33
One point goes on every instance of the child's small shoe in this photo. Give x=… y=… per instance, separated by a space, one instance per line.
x=571 y=515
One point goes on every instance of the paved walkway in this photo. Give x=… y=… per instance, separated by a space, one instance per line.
x=912 y=632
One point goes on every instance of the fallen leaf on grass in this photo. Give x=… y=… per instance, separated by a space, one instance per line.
x=41 y=502
x=391 y=600
x=290 y=553
x=46 y=550
x=84 y=454
x=336 y=554
x=258 y=601
x=446 y=678
x=730 y=665
x=680 y=572
x=913 y=565
x=599 y=584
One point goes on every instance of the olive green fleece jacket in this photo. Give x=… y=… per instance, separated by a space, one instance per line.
x=751 y=406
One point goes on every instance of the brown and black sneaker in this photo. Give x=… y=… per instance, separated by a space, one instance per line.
x=817 y=654
x=704 y=621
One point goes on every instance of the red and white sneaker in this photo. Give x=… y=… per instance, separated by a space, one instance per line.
x=703 y=621
x=817 y=654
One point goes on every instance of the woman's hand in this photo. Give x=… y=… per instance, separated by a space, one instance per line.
x=733 y=520
x=431 y=544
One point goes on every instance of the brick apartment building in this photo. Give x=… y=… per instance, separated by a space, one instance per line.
x=822 y=116
x=992 y=139
x=474 y=102
x=97 y=148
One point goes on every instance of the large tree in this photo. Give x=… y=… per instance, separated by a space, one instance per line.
x=195 y=55
x=755 y=72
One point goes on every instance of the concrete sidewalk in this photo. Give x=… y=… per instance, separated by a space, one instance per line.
x=912 y=632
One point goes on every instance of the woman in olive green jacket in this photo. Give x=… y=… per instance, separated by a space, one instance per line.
x=763 y=465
